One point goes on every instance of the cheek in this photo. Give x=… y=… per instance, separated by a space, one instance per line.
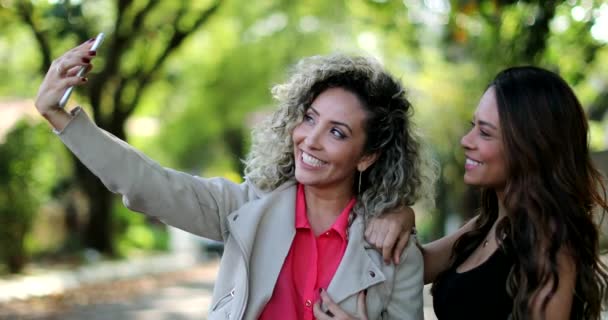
x=297 y=134
x=348 y=157
x=499 y=165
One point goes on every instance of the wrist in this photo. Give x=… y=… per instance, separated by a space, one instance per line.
x=52 y=113
x=57 y=117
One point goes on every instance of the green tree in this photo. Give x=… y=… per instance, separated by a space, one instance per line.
x=449 y=51
x=141 y=35
x=224 y=90
x=26 y=176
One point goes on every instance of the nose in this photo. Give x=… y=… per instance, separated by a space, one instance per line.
x=312 y=139
x=466 y=141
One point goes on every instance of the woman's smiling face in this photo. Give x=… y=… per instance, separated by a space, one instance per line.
x=485 y=164
x=329 y=142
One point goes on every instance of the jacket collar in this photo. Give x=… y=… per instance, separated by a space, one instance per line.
x=265 y=229
x=357 y=271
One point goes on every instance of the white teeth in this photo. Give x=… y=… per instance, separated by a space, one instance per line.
x=312 y=161
x=472 y=162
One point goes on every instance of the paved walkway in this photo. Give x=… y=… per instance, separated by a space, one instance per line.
x=186 y=300
x=46 y=282
x=183 y=301
x=184 y=295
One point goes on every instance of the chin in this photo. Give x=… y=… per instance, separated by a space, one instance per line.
x=471 y=181
x=302 y=179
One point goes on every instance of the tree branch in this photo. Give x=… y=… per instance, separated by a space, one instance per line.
x=141 y=15
x=121 y=41
x=536 y=41
x=25 y=10
x=143 y=78
x=598 y=108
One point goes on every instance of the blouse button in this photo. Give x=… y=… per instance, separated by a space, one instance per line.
x=372 y=274
x=308 y=303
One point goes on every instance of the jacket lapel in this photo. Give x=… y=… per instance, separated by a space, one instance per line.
x=265 y=228
x=356 y=271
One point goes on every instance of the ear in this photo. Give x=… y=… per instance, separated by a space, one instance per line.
x=367 y=160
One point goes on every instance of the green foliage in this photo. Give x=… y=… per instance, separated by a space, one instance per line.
x=222 y=80
x=26 y=176
x=135 y=232
x=16 y=66
x=194 y=107
x=141 y=36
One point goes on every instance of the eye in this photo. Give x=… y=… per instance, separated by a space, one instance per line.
x=337 y=133
x=308 y=118
x=482 y=132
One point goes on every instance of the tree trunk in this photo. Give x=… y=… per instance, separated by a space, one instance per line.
x=16 y=262
x=98 y=231
x=443 y=207
x=17 y=257
x=236 y=146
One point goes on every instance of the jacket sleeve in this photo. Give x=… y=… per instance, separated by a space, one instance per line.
x=406 y=297
x=194 y=204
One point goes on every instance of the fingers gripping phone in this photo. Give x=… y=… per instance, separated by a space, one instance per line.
x=68 y=92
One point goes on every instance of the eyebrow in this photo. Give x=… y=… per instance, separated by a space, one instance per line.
x=334 y=122
x=487 y=124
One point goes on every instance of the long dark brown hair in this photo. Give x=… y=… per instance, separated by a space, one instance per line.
x=552 y=194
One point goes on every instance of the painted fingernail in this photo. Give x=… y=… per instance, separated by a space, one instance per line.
x=92 y=53
x=83 y=79
x=86 y=60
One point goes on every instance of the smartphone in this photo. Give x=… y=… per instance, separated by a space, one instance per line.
x=68 y=92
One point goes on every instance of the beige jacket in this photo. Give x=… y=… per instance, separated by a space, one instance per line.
x=257 y=229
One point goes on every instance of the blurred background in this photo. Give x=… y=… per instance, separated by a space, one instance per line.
x=184 y=81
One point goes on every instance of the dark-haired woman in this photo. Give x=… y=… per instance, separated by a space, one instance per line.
x=533 y=250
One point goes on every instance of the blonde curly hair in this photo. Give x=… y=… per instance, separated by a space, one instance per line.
x=402 y=175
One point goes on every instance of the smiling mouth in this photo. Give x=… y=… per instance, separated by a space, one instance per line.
x=472 y=163
x=312 y=161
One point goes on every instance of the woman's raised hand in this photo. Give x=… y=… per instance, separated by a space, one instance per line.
x=61 y=75
x=334 y=312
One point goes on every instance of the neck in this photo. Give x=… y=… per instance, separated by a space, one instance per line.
x=502 y=212
x=323 y=206
x=324 y=202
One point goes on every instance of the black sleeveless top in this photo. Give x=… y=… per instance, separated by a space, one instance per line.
x=480 y=293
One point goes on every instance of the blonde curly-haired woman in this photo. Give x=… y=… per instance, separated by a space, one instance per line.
x=340 y=149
